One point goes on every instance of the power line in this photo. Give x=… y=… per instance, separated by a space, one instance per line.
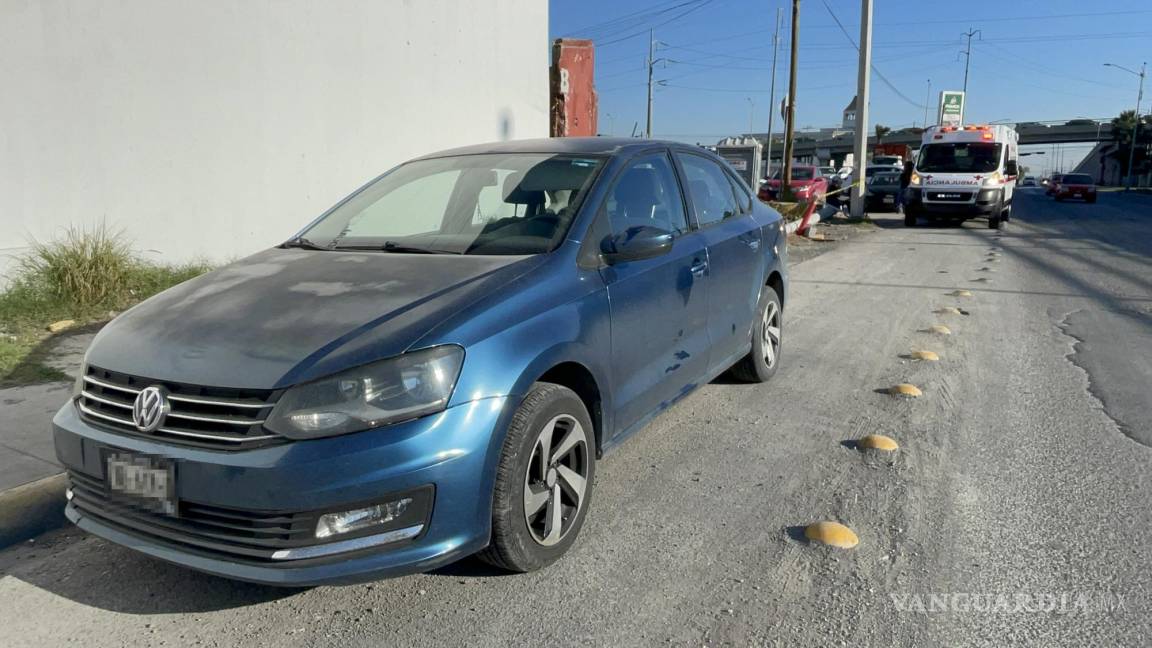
x=872 y=67
x=696 y=5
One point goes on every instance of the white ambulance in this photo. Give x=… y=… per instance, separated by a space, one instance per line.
x=964 y=172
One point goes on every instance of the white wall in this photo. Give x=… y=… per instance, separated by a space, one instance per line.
x=215 y=128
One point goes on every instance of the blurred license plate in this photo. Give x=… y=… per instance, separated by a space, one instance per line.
x=889 y=199
x=149 y=479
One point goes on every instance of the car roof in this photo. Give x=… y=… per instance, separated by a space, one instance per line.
x=568 y=145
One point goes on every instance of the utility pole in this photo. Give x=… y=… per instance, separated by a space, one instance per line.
x=651 y=55
x=751 y=115
x=860 y=147
x=790 y=120
x=968 y=57
x=927 y=103
x=772 y=91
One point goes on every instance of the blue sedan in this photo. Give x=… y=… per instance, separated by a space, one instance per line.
x=430 y=369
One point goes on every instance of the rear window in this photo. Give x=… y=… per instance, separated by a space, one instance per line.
x=1077 y=178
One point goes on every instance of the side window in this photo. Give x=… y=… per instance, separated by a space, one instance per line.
x=646 y=194
x=709 y=188
x=743 y=197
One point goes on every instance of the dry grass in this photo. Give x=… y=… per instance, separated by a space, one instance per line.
x=86 y=276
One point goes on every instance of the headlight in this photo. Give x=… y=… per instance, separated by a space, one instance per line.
x=993 y=179
x=915 y=180
x=397 y=389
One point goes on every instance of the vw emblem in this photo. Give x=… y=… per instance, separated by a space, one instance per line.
x=150 y=408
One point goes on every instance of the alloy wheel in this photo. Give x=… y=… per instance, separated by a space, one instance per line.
x=556 y=479
x=770 y=334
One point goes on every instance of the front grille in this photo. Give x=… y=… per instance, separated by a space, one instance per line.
x=212 y=417
x=950 y=196
x=245 y=534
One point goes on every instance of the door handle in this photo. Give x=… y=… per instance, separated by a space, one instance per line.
x=698 y=268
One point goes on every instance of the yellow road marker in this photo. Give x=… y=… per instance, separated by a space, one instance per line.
x=938 y=329
x=948 y=310
x=930 y=356
x=983 y=280
x=961 y=293
x=832 y=534
x=878 y=442
x=904 y=389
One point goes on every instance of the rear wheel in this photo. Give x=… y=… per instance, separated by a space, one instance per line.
x=1091 y=199
x=761 y=363
x=543 y=481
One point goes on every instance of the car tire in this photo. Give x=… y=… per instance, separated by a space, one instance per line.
x=525 y=539
x=1059 y=199
x=1091 y=200
x=995 y=223
x=763 y=360
x=909 y=218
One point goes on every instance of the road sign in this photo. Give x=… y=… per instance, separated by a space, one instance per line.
x=951 y=108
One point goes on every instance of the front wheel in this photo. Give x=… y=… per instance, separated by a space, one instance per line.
x=761 y=363
x=994 y=222
x=543 y=481
x=909 y=219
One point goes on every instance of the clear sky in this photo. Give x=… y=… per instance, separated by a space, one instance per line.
x=1033 y=60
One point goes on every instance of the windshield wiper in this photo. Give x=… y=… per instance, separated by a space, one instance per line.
x=393 y=246
x=301 y=242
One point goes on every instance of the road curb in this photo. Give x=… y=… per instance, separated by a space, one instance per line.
x=31 y=509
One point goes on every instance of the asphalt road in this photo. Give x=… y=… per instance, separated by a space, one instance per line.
x=1016 y=513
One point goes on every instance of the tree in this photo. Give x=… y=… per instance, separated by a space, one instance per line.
x=1122 y=135
x=881 y=131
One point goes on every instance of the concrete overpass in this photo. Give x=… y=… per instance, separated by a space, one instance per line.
x=1030 y=133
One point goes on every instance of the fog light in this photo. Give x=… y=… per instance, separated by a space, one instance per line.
x=333 y=524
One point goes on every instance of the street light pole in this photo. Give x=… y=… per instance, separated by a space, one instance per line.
x=751 y=116
x=1136 y=125
x=927 y=102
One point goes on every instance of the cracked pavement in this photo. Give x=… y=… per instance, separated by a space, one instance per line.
x=1016 y=512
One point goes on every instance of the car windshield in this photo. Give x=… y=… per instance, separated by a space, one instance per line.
x=798 y=173
x=1077 y=179
x=504 y=204
x=960 y=157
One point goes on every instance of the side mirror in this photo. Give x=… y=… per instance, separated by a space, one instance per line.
x=636 y=243
x=1011 y=168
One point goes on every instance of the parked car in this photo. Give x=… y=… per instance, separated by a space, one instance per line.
x=807 y=184
x=881 y=185
x=1053 y=182
x=430 y=369
x=1076 y=185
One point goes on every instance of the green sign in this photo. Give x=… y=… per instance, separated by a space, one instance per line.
x=951 y=108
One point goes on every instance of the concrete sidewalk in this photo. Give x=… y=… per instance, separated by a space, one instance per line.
x=31 y=483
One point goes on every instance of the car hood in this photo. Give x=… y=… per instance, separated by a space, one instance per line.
x=285 y=316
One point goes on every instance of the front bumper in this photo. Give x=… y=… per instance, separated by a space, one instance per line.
x=453 y=453
x=982 y=204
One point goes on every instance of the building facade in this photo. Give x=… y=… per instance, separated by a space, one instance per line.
x=215 y=129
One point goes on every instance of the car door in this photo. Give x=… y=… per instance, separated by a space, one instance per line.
x=659 y=305
x=735 y=261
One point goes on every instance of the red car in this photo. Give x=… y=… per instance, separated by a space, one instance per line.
x=807 y=184
x=1076 y=185
x=1052 y=183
